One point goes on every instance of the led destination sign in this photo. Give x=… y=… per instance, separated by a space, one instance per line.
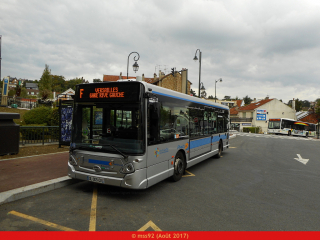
x=108 y=92
x=104 y=93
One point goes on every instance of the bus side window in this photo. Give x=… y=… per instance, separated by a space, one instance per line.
x=154 y=126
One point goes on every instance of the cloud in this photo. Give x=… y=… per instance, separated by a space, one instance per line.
x=259 y=48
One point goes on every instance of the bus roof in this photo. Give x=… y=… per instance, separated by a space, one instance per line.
x=174 y=94
x=169 y=93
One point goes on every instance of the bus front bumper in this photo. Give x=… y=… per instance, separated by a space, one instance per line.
x=136 y=180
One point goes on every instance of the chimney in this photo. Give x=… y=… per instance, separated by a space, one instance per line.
x=293 y=105
x=143 y=77
x=120 y=77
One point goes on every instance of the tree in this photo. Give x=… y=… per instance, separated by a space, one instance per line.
x=58 y=83
x=305 y=103
x=298 y=105
x=247 y=100
x=45 y=84
x=317 y=107
x=24 y=93
x=193 y=93
x=11 y=93
x=210 y=97
x=227 y=98
x=96 y=80
x=73 y=82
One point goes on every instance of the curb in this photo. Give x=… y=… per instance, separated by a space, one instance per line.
x=34 y=189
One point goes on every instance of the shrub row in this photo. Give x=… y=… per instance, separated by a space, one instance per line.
x=251 y=129
x=44 y=116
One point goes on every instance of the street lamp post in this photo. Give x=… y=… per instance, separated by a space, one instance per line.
x=195 y=59
x=203 y=90
x=135 y=65
x=215 y=89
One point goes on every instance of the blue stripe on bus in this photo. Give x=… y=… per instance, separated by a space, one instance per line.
x=217 y=138
x=98 y=162
x=167 y=95
x=205 y=141
x=200 y=142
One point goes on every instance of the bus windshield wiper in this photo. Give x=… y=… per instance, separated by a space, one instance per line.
x=117 y=150
x=122 y=154
x=109 y=145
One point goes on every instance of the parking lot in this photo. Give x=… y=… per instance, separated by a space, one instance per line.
x=253 y=187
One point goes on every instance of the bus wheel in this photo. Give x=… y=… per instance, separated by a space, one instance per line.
x=179 y=167
x=219 y=154
x=289 y=133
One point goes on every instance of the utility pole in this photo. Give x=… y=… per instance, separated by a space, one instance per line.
x=0 y=56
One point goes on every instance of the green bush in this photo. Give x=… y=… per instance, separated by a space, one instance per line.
x=38 y=115
x=251 y=129
x=53 y=118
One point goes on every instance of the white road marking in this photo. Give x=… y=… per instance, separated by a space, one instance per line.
x=300 y=159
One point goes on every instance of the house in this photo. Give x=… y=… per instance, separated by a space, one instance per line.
x=66 y=95
x=230 y=103
x=307 y=116
x=178 y=82
x=257 y=114
x=13 y=82
x=114 y=78
x=32 y=89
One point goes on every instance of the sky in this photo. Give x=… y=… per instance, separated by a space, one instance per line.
x=259 y=48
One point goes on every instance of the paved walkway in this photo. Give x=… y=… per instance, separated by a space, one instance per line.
x=22 y=177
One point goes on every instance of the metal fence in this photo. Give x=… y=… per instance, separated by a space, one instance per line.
x=39 y=135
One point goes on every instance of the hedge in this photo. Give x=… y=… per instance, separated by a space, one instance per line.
x=46 y=116
x=37 y=115
x=251 y=129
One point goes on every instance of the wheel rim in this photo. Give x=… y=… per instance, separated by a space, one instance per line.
x=178 y=166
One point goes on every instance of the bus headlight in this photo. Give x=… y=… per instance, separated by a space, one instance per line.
x=128 y=168
x=72 y=161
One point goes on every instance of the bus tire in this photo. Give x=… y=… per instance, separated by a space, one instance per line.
x=219 y=154
x=179 y=166
x=289 y=133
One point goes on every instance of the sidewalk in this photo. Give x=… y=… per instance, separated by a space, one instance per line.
x=27 y=176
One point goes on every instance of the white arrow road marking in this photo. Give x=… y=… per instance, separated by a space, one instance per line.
x=300 y=159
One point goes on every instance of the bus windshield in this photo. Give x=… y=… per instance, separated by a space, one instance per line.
x=274 y=125
x=109 y=127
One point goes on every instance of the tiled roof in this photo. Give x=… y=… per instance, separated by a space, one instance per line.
x=310 y=118
x=239 y=103
x=233 y=111
x=114 y=78
x=253 y=106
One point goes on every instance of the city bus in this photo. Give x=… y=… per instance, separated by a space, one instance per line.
x=133 y=134
x=291 y=127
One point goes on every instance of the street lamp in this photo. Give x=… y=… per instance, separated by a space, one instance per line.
x=196 y=59
x=215 y=89
x=135 y=65
x=203 y=91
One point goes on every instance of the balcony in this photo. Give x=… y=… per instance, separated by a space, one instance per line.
x=237 y=119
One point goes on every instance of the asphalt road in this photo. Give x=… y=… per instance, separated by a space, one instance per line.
x=260 y=184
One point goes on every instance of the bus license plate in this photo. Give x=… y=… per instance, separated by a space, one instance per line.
x=95 y=179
